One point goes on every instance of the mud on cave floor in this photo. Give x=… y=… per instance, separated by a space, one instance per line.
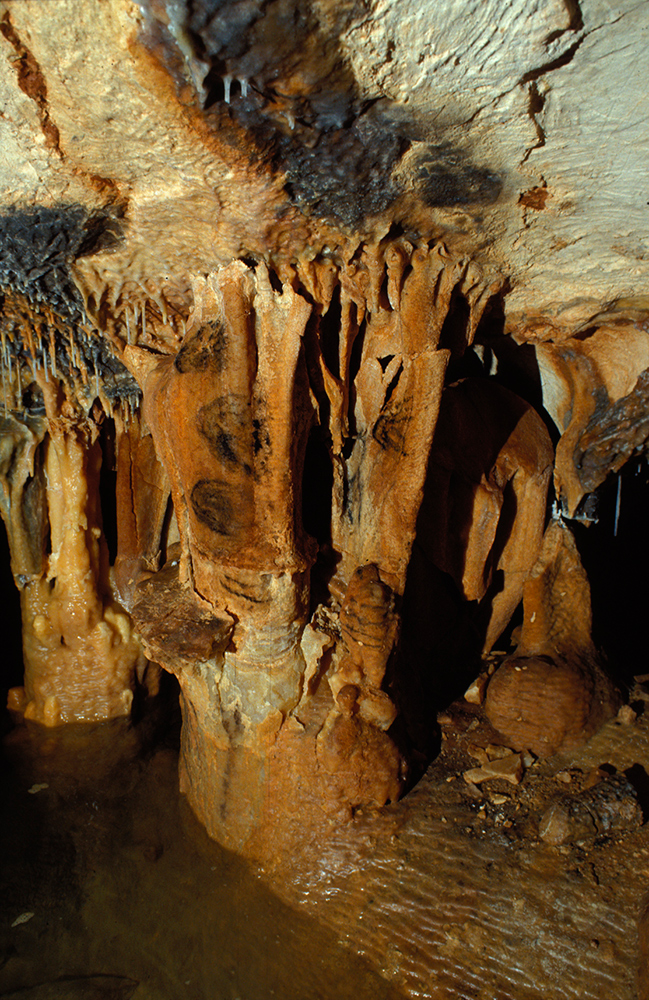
x=110 y=887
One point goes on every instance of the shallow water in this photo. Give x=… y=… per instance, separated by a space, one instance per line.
x=111 y=889
x=122 y=882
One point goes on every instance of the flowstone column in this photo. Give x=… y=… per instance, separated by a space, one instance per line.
x=285 y=711
x=230 y=415
x=80 y=653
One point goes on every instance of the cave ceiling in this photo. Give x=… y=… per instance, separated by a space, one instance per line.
x=515 y=134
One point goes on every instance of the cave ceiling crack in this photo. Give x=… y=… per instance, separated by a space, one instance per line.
x=557 y=62
x=537 y=99
x=32 y=83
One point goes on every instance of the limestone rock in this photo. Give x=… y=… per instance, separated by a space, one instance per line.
x=552 y=693
x=596 y=390
x=243 y=255
x=509 y=768
x=475 y=693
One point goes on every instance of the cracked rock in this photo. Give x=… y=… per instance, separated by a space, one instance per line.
x=509 y=768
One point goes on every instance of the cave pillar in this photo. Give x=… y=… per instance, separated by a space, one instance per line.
x=80 y=653
x=284 y=697
x=229 y=415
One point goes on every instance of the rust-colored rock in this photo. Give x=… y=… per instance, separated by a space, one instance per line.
x=80 y=652
x=238 y=258
x=552 y=694
x=230 y=416
x=596 y=391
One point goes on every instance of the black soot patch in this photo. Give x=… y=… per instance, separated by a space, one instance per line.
x=37 y=246
x=223 y=25
x=445 y=178
x=390 y=428
x=614 y=433
x=279 y=69
x=226 y=425
x=205 y=350
x=347 y=174
x=337 y=158
x=220 y=507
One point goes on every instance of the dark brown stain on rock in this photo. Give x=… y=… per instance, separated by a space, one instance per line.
x=535 y=198
x=226 y=425
x=223 y=509
x=206 y=349
x=32 y=82
x=613 y=435
x=39 y=244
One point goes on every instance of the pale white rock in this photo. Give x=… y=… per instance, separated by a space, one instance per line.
x=626 y=715
x=475 y=693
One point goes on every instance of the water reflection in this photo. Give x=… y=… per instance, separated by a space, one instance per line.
x=122 y=882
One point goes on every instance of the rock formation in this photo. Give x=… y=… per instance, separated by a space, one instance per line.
x=263 y=291
x=552 y=693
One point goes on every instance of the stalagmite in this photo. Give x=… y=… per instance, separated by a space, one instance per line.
x=79 y=648
x=552 y=693
x=250 y=380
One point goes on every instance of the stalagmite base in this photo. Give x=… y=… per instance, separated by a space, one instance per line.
x=553 y=693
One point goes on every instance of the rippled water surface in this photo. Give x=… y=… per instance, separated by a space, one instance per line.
x=112 y=890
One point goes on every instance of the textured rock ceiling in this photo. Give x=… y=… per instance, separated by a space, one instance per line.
x=515 y=131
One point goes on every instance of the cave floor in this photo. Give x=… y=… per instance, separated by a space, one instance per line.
x=110 y=888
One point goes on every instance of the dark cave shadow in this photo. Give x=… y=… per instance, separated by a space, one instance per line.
x=12 y=658
x=639 y=778
x=504 y=530
x=615 y=564
x=437 y=658
x=443 y=633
